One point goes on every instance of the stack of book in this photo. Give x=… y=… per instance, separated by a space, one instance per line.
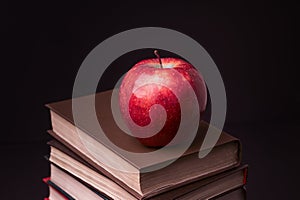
x=77 y=174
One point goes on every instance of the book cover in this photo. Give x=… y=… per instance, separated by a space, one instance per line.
x=55 y=189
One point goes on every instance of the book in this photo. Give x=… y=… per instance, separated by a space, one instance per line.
x=75 y=166
x=67 y=192
x=188 y=168
x=208 y=188
x=56 y=192
x=236 y=194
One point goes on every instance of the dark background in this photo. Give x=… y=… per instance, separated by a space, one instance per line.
x=253 y=45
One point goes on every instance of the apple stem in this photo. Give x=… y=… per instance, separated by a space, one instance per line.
x=157 y=55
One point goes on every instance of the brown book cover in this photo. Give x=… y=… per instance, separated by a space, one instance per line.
x=236 y=194
x=65 y=131
x=225 y=181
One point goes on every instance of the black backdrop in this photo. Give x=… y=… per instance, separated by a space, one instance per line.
x=253 y=45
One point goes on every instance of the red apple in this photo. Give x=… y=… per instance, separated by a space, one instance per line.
x=155 y=82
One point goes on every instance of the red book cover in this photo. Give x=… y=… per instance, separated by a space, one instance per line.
x=60 y=191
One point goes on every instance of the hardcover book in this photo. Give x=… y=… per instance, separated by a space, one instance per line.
x=100 y=187
x=188 y=168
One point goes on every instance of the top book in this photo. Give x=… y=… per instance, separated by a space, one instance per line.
x=132 y=171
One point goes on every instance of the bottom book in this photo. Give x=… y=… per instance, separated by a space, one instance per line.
x=80 y=191
x=236 y=194
x=64 y=185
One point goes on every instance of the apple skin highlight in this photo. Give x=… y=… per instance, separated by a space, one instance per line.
x=149 y=83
